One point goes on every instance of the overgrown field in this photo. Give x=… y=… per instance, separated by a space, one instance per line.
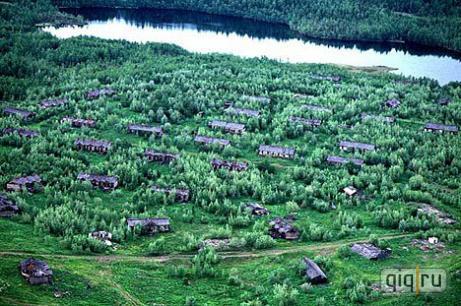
x=163 y=85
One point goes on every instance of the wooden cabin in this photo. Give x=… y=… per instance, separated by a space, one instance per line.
x=204 y=140
x=78 y=123
x=337 y=160
x=161 y=157
x=229 y=127
x=229 y=165
x=21 y=113
x=145 y=130
x=440 y=128
x=257 y=209
x=369 y=117
x=370 y=251
x=149 y=226
x=20 y=132
x=48 y=103
x=243 y=112
x=259 y=99
x=392 y=103
x=274 y=151
x=28 y=183
x=7 y=207
x=93 y=145
x=314 y=274
x=103 y=182
x=97 y=93
x=305 y=122
x=355 y=146
x=282 y=228
x=36 y=272
x=181 y=195
x=103 y=236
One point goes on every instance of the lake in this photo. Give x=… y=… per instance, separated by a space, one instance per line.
x=204 y=33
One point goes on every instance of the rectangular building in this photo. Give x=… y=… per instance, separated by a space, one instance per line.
x=103 y=182
x=440 y=128
x=337 y=160
x=274 y=151
x=143 y=130
x=355 y=146
x=93 y=145
x=229 y=127
x=211 y=141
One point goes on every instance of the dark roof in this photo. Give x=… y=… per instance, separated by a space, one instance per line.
x=21 y=132
x=344 y=160
x=313 y=272
x=177 y=191
x=393 y=103
x=7 y=205
x=307 y=122
x=17 y=111
x=211 y=140
x=444 y=101
x=96 y=93
x=232 y=165
x=150 y=152
x=441 y=127
x=145 y=221
x=52 y=102
x=27 y=180
x=88 y=122
x=277 y=150
x=317 y=108
x=357 y=145
x=226 y=125
x=93 y=142
x=32 y=267
x=369 y=251
x=243 y=111
x=97 y=178
x=387 y=119
x=145 y=128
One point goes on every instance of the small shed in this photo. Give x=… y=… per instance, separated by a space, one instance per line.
x=314 y=274
x=7 y=207
x=36 y=272
x=444 y=101
x=103 y=236
x=351 y=191
x=370 y=251
x=149 y=226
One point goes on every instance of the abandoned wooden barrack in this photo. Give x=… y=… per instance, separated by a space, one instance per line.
x=275 y=151
x=316 y=108
x=256 y=209
x=338 y=160
x=369 y=117
x=103 y=182
x=29 y=183
x=76 y=122
x=243 y=112
x=161 y=157
x=230 y=127
x=36 y=272
x=144 y=129
x=259 y=99
x=440 y=128
x=229 y=165
x=305 y=122
x=48 y=103
x=205 y=140
x=370 y=251
x=149 y=226
x=20 y=132
x=96 y=93
x=181 y=194
x=392 y=103
x=93 y=145
x=353 y=146
x=7 y=207
x=22 y=113
x=314 y=274
x=282 y=228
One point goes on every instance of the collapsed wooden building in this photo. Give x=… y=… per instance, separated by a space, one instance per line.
x=355 y=146
x=275 y=151
x=256 y=209
x=283 y=228
x=368 y=117
x=78 y=123
x=97 y=93
x=305 y=122
x=102 y=236
x=161 y=157
x=20 y=132
x=149 y=226
x=229 y=165
x=21 y=113
x=229 y=127
x=440 y=128
x=314 y=274
x=145 y=130
x=205 y=140
x=370 y=251
x=30 y=183
x=93 y=145
x=337 y=160
x=439 y=215
x=7 y=207
x=48 y=103
x=103 y=182
x=181 y=194
x=36 y=272
x=392 y=103
x=243 y=112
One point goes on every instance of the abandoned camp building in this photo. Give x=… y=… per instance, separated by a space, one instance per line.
x=256 y=209
x=229 y=165
x=22 y=113
x=211 y=141
x=20 y=132
x=28 y=183
x=36 y=272
x=243 y=112
x=78 y=123
x=181 y=194
x=96 y=93
x=259 y=99
x=355 y=146
x=48 y=103
x=305 y=122
x=337 y=160
x=392 y=103
x=149 y=226
x=229 y=127
x=314 y=274
x=444 y=101
x=370 y=251
x=103 y=236
x=282 y=228
x=7 y=207
x=93 y=145
x=274 y=151
x=440 y=128
x=351 y=191
x=316 y=108
x=101 y=181
x=161 y=157
x=143 y=130
x=439 y=215
x=369 y=117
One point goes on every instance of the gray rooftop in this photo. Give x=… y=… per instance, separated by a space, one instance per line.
x=243 y=111
x=211 y=140
x=344 y=160
x=441 y=127
x=357 y=145
x=277 y=150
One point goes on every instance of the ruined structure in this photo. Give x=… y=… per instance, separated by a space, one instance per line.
x=149 y=226
x=7 y=207
x=229 y=165
x=20 y=132
x=78 y=123
x=97 y=93
x=93 y=145
x=229 y=127
x=274 y=151
x=370 y=251
x=355 y=146
x=440 y=128
x=314 y=274
x=392 y=103
x=283 y=228
x=48 y=103
x=29 y=183
x=257 y=209
x=145 y=130
x=243 y=112
x=21 y=113
x=103 y=236
x=204 y=140
x=161 y=157
x=337 y=160
x=36 y=272
x=305 y=122
x=101 y=181
x=181 y=195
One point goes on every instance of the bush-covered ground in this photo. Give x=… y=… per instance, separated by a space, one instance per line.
x=165 y=86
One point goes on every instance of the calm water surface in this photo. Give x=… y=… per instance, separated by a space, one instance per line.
x=205 y=33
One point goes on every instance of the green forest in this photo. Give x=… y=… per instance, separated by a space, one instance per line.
x=165 y=86
x=429 y=22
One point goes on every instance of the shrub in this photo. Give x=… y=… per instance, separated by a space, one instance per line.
x=285 y=295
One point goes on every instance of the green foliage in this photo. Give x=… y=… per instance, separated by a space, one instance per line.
x=203 y=264
x=285 y=295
